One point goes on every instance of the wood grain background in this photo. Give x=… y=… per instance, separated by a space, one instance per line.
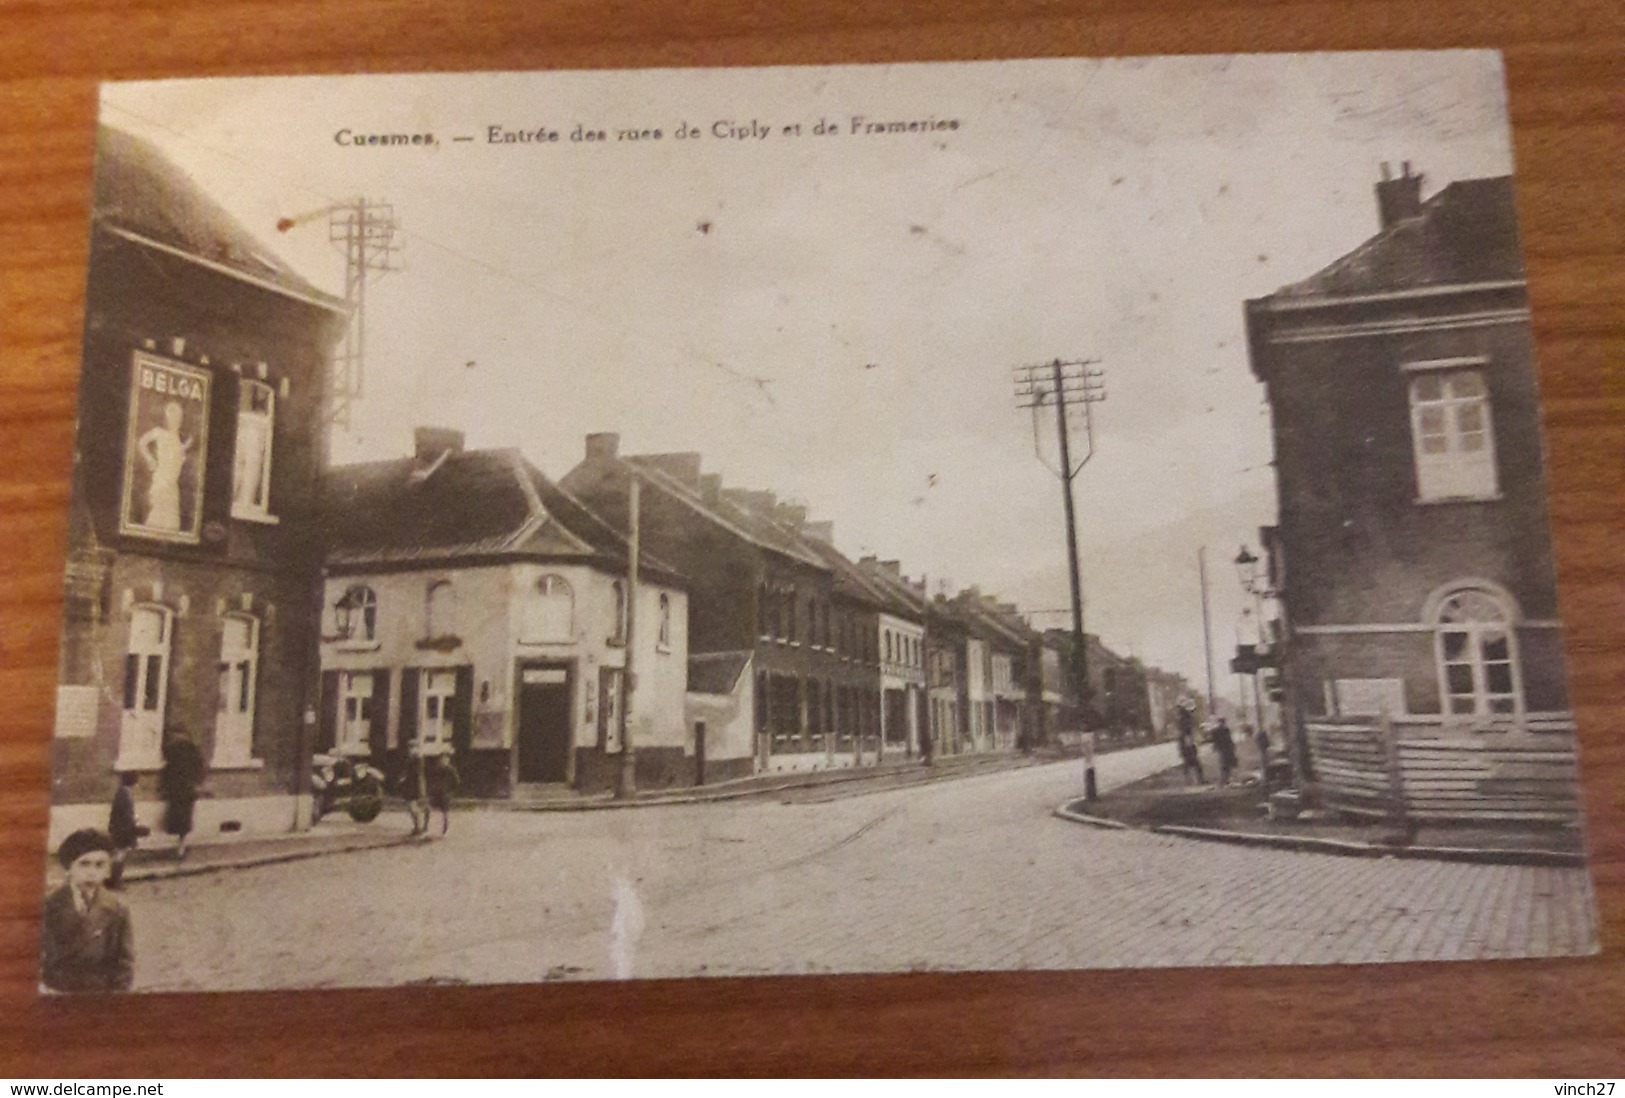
x=1566 y=68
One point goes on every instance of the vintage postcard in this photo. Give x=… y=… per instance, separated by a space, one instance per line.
x=594 y=525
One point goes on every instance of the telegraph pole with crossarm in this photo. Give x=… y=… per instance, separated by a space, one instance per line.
x=1073 y=387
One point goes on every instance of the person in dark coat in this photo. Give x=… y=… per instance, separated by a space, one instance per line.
x=178 y=784
x=121 y=826
x=85 y=938
x=1224 y=745
x=440 y=780
x=1189 y=760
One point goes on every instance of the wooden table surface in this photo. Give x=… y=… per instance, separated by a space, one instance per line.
x=1566 y=66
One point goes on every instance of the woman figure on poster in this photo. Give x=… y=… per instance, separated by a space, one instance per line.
x=178 y=784
x=163 y=451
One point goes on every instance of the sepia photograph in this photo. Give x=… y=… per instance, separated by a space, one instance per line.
x=1012 y=515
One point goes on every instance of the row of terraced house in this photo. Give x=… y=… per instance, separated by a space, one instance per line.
x=227 y=585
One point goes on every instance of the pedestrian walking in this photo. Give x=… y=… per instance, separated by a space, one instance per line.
x=412 y=781
x=178 y=784
x=1224 y=745
x=121 y=826
x=85 y=939
x=440 y=780
x=1189 y=760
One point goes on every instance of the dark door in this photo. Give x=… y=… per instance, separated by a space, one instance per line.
x=699 y=752
x=544 y=723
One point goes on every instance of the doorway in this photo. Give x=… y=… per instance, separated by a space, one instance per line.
x=544 y=722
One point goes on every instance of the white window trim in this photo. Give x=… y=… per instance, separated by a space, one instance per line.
x=252 y=512
x=1508 y=624
x=1452 y=456
x=532 y=592
x=147 y=754
x=228 y=754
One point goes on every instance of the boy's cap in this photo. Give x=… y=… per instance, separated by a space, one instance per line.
x=80 y=843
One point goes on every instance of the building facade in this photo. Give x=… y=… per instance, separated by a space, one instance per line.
x=473 y=607
x=1412 y=558
x=193 y=550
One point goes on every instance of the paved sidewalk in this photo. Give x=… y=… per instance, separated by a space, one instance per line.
x=157 y=860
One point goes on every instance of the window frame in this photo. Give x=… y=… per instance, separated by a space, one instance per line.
x=1452 y=465
x=234 y=727
x=250 y=510
x=141 y=726
x=1483 y=698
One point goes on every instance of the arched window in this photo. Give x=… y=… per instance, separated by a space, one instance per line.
x=663 y=634
x=146 y=687
x=239 y=672
x=888 y=646
x=618 y=633
x=549 y=616
x=355 y=615
x=1478 y=655
x=440 y=616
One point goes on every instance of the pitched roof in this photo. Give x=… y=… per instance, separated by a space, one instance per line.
x=1465 y=234
x=716 y=672
x=141 y=194
x=744 y=522
x=478 y=503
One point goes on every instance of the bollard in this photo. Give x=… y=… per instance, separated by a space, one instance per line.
x=1089 y=766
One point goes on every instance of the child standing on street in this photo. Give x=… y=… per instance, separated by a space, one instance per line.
x=85 y=939
x=121 y=826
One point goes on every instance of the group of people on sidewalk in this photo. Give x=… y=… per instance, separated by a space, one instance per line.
x=87 y=943
x=1224 y=746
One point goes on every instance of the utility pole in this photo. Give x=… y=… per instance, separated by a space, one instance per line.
x=1207 y=631
x=628 y=784
x=365 y=233
x=1069 y=385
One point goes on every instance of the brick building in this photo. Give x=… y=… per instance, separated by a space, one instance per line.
x=1412 y=558
x=193 y=547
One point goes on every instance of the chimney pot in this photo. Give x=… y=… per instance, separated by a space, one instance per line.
x=1398 y=199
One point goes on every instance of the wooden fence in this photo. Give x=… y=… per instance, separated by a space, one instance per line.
x=1371 y=766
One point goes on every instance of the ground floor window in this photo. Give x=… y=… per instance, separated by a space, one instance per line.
x=435 y=713
x=1477 y=655
x=239 y=674
x=146 y=688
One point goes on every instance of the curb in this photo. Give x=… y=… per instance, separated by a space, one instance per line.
x=274 y=857
x=722 y=793
x=1348 y=848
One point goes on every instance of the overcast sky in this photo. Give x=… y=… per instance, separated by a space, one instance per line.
x=881 y=287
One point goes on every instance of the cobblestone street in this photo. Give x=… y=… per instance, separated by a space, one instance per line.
x=965 y=874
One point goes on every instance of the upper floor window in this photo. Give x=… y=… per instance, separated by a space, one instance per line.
x=1478 y=655
x=251 y=468
x=440 y=610
x=355 y=615
x=549 y=614
x=1451 y=435
x=618 y=634
x=663 y=634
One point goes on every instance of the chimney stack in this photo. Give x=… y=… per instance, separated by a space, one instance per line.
x=893 y=568
x=711 y=487
x=1398 y=199
x=430 y=444
x=603 y=446
x=820 y=531
x=791 y=515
